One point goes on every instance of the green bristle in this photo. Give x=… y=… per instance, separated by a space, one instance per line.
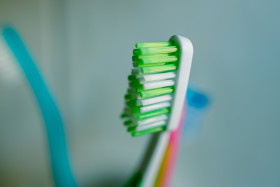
x=154 y=113
x=132 y=93
x=156 y=59
x=148 y=58
x=154 y=50
x=131 y=128
x=135 y=109
x=148 y=131
x=124 y=115
x=128 y=122
x=158 y=69
x=131 y=102
x=131 y=96
x=139 y=88
x=139 y=57
x=134 y=82
x=127 y=96
x=149 y=65
x=131 y=77
x=155 y=92
x=153 y=44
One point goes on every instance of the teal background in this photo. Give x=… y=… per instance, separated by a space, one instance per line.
x=84 y=50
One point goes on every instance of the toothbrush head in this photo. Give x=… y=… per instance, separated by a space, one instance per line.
x=157 y=85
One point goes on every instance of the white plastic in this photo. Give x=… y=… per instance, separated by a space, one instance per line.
x=186 y=54
x=182 y=79
x=155 y=158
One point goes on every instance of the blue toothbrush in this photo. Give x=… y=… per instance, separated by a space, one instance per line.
x=13 y=51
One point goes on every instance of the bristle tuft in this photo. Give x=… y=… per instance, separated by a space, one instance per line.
x=151 y=87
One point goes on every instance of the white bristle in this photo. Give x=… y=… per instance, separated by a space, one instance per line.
x=154 y=107
x=154 y=100
x=158 y=76
x=151 y=125
x=158 y=84
x=151 y=120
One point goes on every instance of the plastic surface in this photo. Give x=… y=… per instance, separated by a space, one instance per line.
x=154 y=158
x=185 y=61
x=61 y=168
x=159 y=142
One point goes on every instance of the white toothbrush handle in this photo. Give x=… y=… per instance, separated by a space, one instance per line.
x=153 y=158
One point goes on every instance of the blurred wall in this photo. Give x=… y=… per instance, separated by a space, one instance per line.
x=23 y=148
x=84 y=50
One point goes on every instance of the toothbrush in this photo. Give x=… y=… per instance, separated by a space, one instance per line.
x=155 y=97
x=168 y=162
x=14 y=57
